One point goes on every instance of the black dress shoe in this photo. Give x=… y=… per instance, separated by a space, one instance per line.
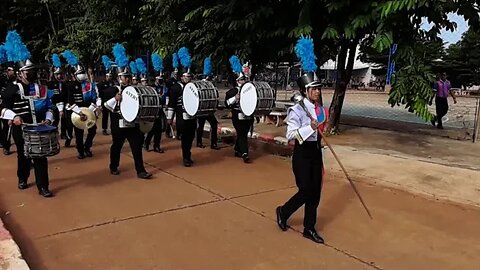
x=187 y=162
x=68 y=142
x=88 y=153
x=237 y=154
x=81 y=156
x=147 y=147
x=433 y=122
x=22 y=185
x=158 y=150
x=6 y=151
x=313 y=235
x=199 y=145
x=280 y=221
x=104 y=132
x=144 y=175
x=245 y=158
x=215 y=147
x=45 y=192
x=114 y=172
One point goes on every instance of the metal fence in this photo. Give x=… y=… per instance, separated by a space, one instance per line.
x=462 y=117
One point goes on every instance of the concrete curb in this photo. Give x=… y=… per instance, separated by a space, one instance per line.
x=10 y=256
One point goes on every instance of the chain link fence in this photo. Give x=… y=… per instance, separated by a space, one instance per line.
x=372 y=104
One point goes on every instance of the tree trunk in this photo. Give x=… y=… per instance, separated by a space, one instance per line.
x=343 y=77
x=51 y=20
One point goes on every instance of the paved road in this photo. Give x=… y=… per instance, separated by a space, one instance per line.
x=219 y=214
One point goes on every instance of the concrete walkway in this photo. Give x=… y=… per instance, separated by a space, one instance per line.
x=219 y=214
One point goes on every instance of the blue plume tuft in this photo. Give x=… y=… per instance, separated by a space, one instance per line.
x=16 y=50
x=71 y=58
x=120 y=55
x=305 y=52
x=175 y=60
x=207 y=66
x=106 y=62
x=235 y=64
x=157 y=62
x=184 y=57
x=133 y=67
x=3 y=54
x=56 y=61
x=141 y=67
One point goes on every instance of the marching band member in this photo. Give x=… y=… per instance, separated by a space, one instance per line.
x=77 y=94
x=108 y=82
x=121 y=129
x=212 y=120
x=189 y=124
x=5 y=135
x=26 y=102
x=240 y=121
x=56 y=86
x=307 y=154
x=156 y=132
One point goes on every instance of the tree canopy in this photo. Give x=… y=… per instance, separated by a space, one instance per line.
x=259 y=31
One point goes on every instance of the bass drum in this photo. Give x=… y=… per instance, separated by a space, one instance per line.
x=256 y=98
x=200 y=98
x=139 y=103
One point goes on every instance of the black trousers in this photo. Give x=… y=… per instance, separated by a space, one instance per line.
x=40 y=165
x=155 y=133
x=69 y=125
x=242 y=127
x=105 y=115
x=135 y=140
x=307 y=167
x=179 y=122
x=188 y=134
x=59 y=120
x=4 y=138
x=441 y=106
x=213 y=128
x=81 y=146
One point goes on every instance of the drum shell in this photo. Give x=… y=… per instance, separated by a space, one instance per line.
x=38 y=144
x=265 y=98
x=148 y=103
x=208 y=98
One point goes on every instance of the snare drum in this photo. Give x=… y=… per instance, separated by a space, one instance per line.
x=140 y=103
x=40 y=141
x=256 y=98
x=200 y=98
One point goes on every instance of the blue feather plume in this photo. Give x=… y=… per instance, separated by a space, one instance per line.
x=106 y=62
x=133 y=67
x=207 y=66
x=141 y=67
x=184 y=57
x=175 y=60
x=16 y=50
x=120 y=55
x=71 y=58
x=3 y=54
x=157 y=62
x=305 y=52
x=56 y=61
x=235 y=64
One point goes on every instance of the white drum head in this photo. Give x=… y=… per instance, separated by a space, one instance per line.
x=248 y=99
x=130 y=105
x=191 y=101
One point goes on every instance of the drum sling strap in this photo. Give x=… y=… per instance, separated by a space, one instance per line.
x=30 y=100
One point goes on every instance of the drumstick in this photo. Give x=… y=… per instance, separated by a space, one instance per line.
x=302 y=104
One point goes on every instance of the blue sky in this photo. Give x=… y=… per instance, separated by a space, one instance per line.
x=452 y=37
